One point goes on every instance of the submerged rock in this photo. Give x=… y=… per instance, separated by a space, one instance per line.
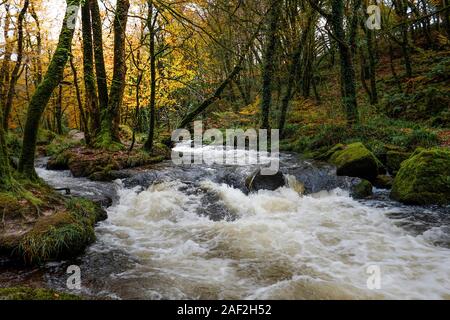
x=356 y=161
x=318 y=177
x=424 y=178
x=363 y=189
x=258 y=181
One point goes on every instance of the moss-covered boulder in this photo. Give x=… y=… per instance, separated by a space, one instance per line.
x=424 y=178
x=355 y=160
x=383 y=182
x=362 y=190
x=325 y=156
x=26 y=293
x=394 y=160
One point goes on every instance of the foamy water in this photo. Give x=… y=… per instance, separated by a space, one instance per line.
x=282 y=245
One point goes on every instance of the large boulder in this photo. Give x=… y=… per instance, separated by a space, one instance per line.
x=424 y=178
x=355 y=160
x=257 y=181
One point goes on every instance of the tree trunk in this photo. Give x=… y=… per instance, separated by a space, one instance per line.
x=293 y=72
x=372 y=68
x=15 y=73
x=42 y=95
x=5 y=171
x=91 y=100
x=269 y=63
x=348 y=77
x=38 y=47
x=5 y=69
x=110 y=125
x=151 y=25
x=401 y=8
x=100 y=68
x=83 y=121
x=59 y=112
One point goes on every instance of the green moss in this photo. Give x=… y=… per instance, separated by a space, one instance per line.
x=326 y=155
x=25 y=293
x=57 y=236
x=394 y=160
x=105 y=141
x=362 y=190
x=60 y=235
x=424 y=178
x=383 y=182
x=356 y=161
x=61 y=144
x=44 y=137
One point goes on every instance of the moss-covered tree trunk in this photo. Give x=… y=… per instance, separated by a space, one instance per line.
x=151 y=25
x=109 y=134
x=43 y=92
x=100 y=68
x=91 y=100
x=5 y=171
x=269 y=63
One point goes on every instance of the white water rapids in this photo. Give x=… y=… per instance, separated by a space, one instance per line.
x=273 y=245
x=282 y=246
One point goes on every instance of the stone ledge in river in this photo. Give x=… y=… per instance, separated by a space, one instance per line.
x=319 y=176
x=256 y=181
x=46 y=227
x=424 y=178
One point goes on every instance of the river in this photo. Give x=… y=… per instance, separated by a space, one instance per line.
x=192 y=232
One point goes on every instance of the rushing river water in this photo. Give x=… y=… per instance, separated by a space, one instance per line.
x=192 y=232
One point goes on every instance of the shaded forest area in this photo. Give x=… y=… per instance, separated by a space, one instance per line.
x=101 y=87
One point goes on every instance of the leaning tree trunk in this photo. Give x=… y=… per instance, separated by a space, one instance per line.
x=109 y=134
x=43 y=92
x=269 y=63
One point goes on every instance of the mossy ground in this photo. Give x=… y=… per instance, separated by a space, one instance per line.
x=45 y=225
x=26 y=293
x=98 y=164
